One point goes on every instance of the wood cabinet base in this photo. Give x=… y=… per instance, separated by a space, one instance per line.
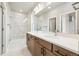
x=39 y=47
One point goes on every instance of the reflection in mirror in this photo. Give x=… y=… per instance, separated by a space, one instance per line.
x=52 y=24
x=68 y=23
x=77 y=30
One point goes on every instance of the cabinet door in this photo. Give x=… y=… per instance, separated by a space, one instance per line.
x=48 y=53
x=31 y=43
x=38 y=49
x=32 y=46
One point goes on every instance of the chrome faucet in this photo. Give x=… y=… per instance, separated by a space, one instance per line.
x=55 y=33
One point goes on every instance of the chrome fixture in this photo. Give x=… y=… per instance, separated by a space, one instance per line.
x=75 y=5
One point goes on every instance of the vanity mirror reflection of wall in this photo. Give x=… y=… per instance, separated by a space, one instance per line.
x=52 y=24
x=68 y=23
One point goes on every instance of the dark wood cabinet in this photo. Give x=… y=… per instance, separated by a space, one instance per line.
x=38 y=50
x=40 y=47
x=45 y=44
x=59 y=51
x=31 y=43
x=32 y=46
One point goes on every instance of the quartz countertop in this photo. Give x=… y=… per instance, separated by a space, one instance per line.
x=64 y=42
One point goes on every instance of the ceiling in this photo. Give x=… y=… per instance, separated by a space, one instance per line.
x=22 y=7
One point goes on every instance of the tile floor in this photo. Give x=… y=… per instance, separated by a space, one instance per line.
x=17 y=48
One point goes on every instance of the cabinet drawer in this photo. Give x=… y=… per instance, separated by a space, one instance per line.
x=45 y=44
x=62 y=52
x=37 y=39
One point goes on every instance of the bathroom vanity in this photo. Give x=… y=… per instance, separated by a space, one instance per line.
x=47 y=44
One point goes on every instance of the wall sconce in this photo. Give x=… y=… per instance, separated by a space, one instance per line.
x=75 y=5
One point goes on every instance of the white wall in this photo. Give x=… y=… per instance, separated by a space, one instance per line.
x=57 y=12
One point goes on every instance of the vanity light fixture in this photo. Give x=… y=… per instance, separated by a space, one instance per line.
x=75 y=5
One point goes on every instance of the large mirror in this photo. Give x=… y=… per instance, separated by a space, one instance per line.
x=68 y=23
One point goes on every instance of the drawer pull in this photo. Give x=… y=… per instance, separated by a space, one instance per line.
x=41 y=50
x=44 y=52
x=28 y=39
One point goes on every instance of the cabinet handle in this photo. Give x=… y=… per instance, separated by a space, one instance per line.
x=41 y=50
x=27 y=39
x=57 y=51
x=44 y=52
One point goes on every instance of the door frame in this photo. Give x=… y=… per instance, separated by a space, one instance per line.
x=2 y=29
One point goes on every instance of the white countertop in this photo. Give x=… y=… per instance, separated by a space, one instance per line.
x=64 y=42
